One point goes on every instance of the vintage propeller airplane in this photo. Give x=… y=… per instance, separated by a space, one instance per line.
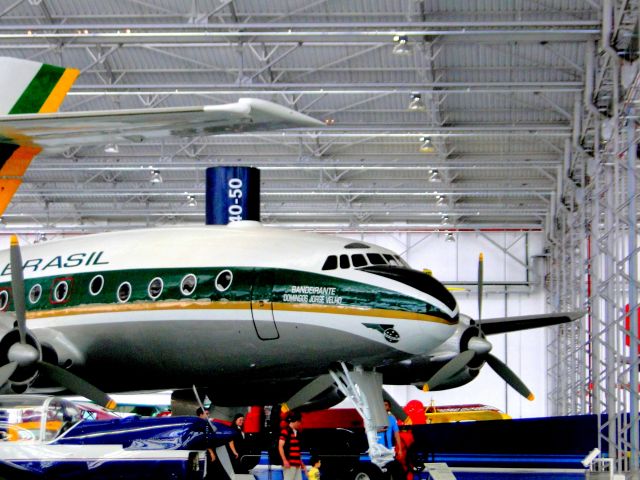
x=254 y=315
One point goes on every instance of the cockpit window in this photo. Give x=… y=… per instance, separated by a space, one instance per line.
x=376 y=259
x=357 y=245
x=331 y=263
x=392 y=260
x=402 y=262
x=344 y=261
x=358 y=260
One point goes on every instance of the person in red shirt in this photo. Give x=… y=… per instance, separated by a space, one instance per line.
x=289 y=448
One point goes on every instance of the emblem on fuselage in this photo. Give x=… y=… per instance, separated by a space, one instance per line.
x=390 y=334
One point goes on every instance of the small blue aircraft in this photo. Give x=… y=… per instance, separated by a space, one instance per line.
x=49 y=437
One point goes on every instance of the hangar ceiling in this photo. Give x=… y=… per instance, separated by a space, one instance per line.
x=499 y=85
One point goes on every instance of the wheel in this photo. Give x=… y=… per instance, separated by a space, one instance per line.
x=367 y=472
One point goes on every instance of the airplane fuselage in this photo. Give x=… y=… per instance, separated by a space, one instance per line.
x=169 y=308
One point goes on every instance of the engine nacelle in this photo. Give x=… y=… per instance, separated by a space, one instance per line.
x=419 y=370
x=25 y=374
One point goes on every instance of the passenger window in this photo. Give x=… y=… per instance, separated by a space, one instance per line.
x=124 y=292
x=223 y=280
x=4 y=299
x=358 y=260
x=188 y=284
x=331 y=263
x=344 y=261
x=155 y=288
x=376 y=259
x=96 y=284
x=35 y=293
x=61 y=290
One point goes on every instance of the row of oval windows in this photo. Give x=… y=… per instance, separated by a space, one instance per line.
x=123 y=293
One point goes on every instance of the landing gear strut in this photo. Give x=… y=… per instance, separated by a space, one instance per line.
x=364 y=389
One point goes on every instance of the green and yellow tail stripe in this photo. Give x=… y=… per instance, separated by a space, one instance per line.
x=47 y=89
x=26 y=87
x=55 y=98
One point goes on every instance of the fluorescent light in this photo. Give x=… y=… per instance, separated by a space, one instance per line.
x=401 y=45
x=155 y=176
x=427 y=145
x=416 y=104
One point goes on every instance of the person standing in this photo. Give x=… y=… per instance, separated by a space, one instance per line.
x=238 y=444
x=314 y=471
x=390 y=438
x=211 y=456
x=289 y=447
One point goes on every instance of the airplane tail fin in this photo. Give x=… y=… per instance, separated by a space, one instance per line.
x=32 y=87
x=26 y=87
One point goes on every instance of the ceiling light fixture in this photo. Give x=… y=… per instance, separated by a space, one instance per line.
x=111 y=148
x=426 y=145
x=155 y=176
x=434 y=176
x=449 y=238
x=191 y=201
x=401 y=45
x=416 y=104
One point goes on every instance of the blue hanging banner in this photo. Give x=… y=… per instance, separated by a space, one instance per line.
x=232 y=194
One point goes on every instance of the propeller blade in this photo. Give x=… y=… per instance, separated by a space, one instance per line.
x=450 y=369
x=6 y=371
x=508 y=376
x=225 y=461
x=480 y=286
x=76 y=384
x=17 y=285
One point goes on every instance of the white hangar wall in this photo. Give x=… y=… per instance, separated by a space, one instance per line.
x=513 y=268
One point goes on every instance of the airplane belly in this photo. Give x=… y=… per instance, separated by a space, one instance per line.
x=128 y=351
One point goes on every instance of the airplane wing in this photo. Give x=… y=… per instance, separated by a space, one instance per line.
x=55 y=131
x=31 y=92
x=512 y=324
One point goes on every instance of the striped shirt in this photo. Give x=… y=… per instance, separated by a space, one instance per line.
x=291 y=446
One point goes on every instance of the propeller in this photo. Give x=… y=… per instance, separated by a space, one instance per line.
x=480 y=287
x=474 y=345
x=508 y=376
x=450 y=369
x=26 y=354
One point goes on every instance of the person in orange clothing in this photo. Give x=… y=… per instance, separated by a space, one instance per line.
x=289 y=447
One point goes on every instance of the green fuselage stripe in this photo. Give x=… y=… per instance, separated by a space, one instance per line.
x=280 y=286
x=38 y=90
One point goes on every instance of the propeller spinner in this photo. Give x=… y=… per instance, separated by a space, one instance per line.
x=475 y=349
x=25 y=354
